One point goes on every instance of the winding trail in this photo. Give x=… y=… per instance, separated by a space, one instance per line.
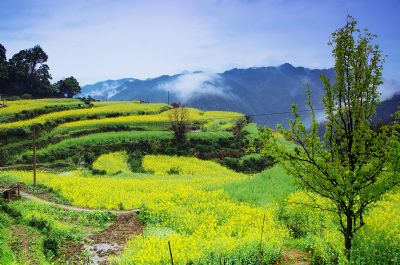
x=75 y=208
x=291 y=256
x=110 y=241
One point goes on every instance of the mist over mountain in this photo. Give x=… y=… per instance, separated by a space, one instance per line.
x=253 y=91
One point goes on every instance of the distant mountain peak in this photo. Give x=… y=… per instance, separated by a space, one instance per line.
x=248 y=90
x=286 y=65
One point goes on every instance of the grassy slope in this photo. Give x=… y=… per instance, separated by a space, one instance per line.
x=122 y=137
x=271 y=185
x=27 y=224
x=6 y=254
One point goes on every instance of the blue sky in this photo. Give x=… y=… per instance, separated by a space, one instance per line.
x=98 y=40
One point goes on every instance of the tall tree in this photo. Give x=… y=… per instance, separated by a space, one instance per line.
x=352 y=166
x=3 y=69
x=29 y=72
x=67 y=87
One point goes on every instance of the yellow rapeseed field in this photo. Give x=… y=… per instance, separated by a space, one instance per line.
x=205 y=225
x=190 y=166
x=100 y=109
x=14 y=107
x=112 y=163
x=222 y=120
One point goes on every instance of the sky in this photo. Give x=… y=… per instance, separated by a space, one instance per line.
x=103 y=39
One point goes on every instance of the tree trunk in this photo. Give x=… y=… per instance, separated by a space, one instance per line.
x=348 y=235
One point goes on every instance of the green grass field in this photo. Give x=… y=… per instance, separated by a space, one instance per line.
x=271 y=185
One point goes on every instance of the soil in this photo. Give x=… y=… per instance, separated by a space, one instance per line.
x=294 y=257
x=112 y=240
x=74 y=253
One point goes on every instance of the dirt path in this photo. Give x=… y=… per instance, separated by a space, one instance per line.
x=294 y=257
x=98 y=247
x=75 y=208
x=112 y=240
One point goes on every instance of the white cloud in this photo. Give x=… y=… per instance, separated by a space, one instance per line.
x=191 y=85
x=388 y=88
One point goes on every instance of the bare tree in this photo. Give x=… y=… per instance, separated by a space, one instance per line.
x=179 y=123
x=238 y=130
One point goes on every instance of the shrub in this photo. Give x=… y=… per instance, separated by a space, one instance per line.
x=7 y=209
x=39 y=223
x=135 y=158
x=174 y=171
x=4 y=157
x=51 y=246
x=13 y=98
x=26 y=96
x=98 y=171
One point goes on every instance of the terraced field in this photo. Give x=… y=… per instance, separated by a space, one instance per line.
x=99 y=123
x=159 y=121
x=193 y=205
x=20 y=109
x=99 y=110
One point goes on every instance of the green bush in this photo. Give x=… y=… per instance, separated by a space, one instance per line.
x=98 y=171
x=26 y=96
x=51 y=246
x=12 y=98
x=39 y=223
x=4 y=157
x=9 y=210
x=247 y=164
x=135 y=159
x=174 y=171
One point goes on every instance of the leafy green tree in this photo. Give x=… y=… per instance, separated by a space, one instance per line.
x=29 y=72
x=352 y=165
x=67 y=87
x=3 y=69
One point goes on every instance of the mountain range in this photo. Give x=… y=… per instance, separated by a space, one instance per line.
x=261 y=92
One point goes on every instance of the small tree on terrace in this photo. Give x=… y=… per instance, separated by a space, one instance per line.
x=238 y=130
x=179 y=123
x=352 y=166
